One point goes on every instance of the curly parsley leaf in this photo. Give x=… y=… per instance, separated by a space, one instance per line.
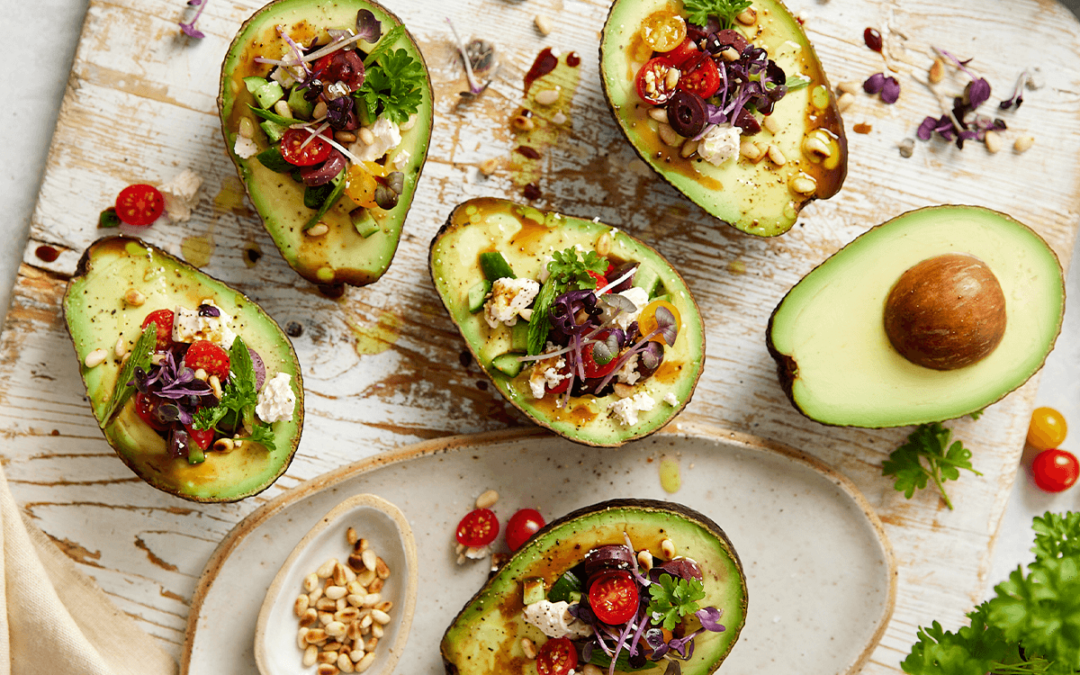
x=239 y=395
x=673 y=599
x=699 y=11
x=393 y=85
x=1042 y=611
x=568 y=270
x=976 y=649
x=1057 y=535
x=263 y=434
x=927 y=455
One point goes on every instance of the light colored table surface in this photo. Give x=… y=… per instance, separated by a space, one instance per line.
x=48 y=31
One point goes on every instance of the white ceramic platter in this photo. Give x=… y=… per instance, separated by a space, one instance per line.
x=820 y=573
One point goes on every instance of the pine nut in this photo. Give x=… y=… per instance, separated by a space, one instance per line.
x=993 y=141
x=1023 y=144
x=590 y=669
x=409 y=123
x=772 y=124
x=382 y=571
x=326 y=657
x=803 y=185
x=344 y=664
x=672 y=78
x=335 y=592
x=355 y=563
x=120 y=348
x=318 y=229
x=369 y=558
x=339 y=577
x=215 y=386
x=667 y=547
x=750 y=150
x=282 y=108
x=134 y=298
x=370 y=645
x=327 y=669
x=96 y=358
x=529 y=647
x=325 y=619
x=351 y=536
x=377 y=629
x=689 y=148
x=344 y=137
x=335 y=629
x=380 y=616
x=937 y=71
x=777 y=156
x=326 y=569
x=347 y=615
x=319 y=111
x=845 y=101
x=367 y=137
x=315 y=594
x=301 y=638
x=365 y=663
x=315 y=636
x=361 y=545
x=372 y=599
x=815 y=145
x=544 y=25
x=366 y=622
x=658 y=114
x=385 y=606
x=623 y=390
x=325 y=604
x=353 y=631
x=247 y=127
x=356 y=600
x=224 y=446
x=333 y=646
x=300 y=607
x=669 y=136
x=489 y=166
x=356 y=654
x=340 y=604
x=850 y=87
x=730 y=54
x=645 y=560
x=522 y=123
x=311 y=652
x=375 y=586
x=487 y=499
x=355 y=588
x=548 y=96
x=310 y=617
x=747 y=17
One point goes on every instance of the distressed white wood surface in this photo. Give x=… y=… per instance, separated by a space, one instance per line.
x=382 y=363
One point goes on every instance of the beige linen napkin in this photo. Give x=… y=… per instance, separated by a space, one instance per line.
x=55 y=619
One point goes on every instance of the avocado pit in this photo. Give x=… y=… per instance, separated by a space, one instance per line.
x=946 y=312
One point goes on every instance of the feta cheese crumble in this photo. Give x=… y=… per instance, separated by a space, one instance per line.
x=720 y=144
x=245 y=148
x=509 y=297
x=555 y=620
x=276 y=400
x=638 y=296
x=670 y=399
x=628 y=374
x=546 y=376
x=627 y=409
x=181 y=195
x=387 y=137
x=188 y=326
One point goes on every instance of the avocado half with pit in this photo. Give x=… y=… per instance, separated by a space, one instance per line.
x=347 y=253
x=903 y=326
x=97 y=315
x=525 y=237
x=759 y=197
x=485 y=637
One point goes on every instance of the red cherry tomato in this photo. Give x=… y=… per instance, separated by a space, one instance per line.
x=687 y=50
x=309 y=155
x=145 y=406
x=1055 y=470
x=613 y=596
x=592 y=368
x=700 y=76
x=201 y=438
x=556 y=657
x=522 y=525
x=139 y=204
x=601 y=280
x=163 y=318
x=478 y=528
x=210 y=357
x=652 y=81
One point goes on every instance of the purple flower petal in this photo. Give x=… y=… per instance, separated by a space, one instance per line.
x=890 y=91
x=710 y=619
x=367 y=26
x=189 y=28
x=926 y=129
x=874 y=84
x=978 y=92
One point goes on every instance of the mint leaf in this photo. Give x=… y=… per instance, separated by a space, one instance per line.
x=140 y=357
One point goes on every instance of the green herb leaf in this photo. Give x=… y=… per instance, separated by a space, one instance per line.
x=263 y=434
x=239 y=396
x=797 y=82
x=394 y=84
x=925 y=456
x=385 y=42
x=1041 y=611
x=673 y=599
x=977 y=414
x=331 y=199
x=140 y=357
x=568 y=270
x=274 y=117
x=1056 y=535
x=108 y=218
x=699 y=11
x=539 y=325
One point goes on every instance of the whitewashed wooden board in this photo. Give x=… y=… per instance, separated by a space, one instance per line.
x=382 y=363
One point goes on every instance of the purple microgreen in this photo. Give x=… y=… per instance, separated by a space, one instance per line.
x=602 y=352
x=874 y=84
x=340 y=113
x=368 y=28
x=475 y=89
x=209 y=310
x=619 y=303
x=385 y=197
x=651 y=358
x=710 y=619
x=654 y=637
x=978 y=92
x=684 y=646
x=665 y=325
x=396 y=181
x=928 y=127
x=1017 y=98
x=189 y=28
x=890 y=91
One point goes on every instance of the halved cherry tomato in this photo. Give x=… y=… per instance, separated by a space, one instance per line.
x=1047 y=428
x=163 y=319
x=613 y=596
x=700 y=76
x=210 y=357
x=1055 y=470
x=145 y=405
x=139 y=204
x=652 y=81
x=478 y=528
x=201 y=438
x=601 y=280
x=523 y=524
x=687 y=50
x=647 y=319
x=314 y=152
x=663 y=30
x=556 y=657
x=592 y=368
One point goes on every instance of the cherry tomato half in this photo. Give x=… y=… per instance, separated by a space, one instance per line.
x=687 y=50
x=1055 y=470
x=309 y=155
x=613 y=596
x=210 y=357
x=139 y=204
x=145 y=405
x=700 y=76
x=647 y=319
x=478 y=528
x=1047 y=429
x=664 y=30
x=163 y=319
x=523 y=524
x=592 y=368
x=556 y=657
x=200 y=437
x=601 y=280
x=652 y=81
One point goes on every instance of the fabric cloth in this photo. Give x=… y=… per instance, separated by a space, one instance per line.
x=55 y=619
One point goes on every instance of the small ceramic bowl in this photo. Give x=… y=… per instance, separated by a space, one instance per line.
x=388 y=533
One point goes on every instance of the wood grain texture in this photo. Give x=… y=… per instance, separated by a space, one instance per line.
x=382 y=364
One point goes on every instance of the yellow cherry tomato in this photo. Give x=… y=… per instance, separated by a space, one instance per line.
x=647 y=319
x=1047 y=429
x=664 y=30
x=360 y=186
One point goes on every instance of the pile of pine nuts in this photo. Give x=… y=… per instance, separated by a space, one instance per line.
x=341 y=611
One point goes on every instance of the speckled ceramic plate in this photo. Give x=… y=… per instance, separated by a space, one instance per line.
x=820 y=572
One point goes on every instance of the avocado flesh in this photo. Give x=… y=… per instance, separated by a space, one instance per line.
x=485 y=637
x=342 y=255
x=828 y=337
x=754 y=198
x=524 y=236
x=96 y=316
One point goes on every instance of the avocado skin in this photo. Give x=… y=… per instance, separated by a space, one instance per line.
x=671 y=514
x=305 y=256
x=126 y=424
x=788 y=368
x=581 y=431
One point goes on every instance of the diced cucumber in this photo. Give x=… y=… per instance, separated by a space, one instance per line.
x=532 y=590
x=477 y=294
x=646 y=279
x=363 y=221
x=300 y=106
x=495 y=266
x=266 y=92
x=519 y=336
x=567 y=586
x=271 y=158
x=508 y=364
x=273 y=130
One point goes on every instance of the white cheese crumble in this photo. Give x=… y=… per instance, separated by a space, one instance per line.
x=401 y=159
x=181 y=195
x=720 y=144
x=188 y=326
x=628 y=374
x=544 y=272
x=244 y=147
x=670 y=399
x=276 y=400
x=545 y=376
x=387 y=137
x=638 y=296
x=509 y=297
x=555 y=621
x=627 y=409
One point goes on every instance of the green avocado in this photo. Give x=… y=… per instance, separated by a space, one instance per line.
x=97 y=315
x=344 y=255
x=525 y=236
x=761 y=198
x=835 y=359
x=485 y=637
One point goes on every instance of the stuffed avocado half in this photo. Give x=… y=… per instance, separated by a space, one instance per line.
x=579 y=569
x=930 y=316
x=521 y=285
x=326 y=109
x=734 y=111
x=164 y=352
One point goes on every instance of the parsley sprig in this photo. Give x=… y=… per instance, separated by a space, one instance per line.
x=699 y=11
x=393 y=85
x=236 y=409
x=673 y=599
x=568 y=271
x=926 y=456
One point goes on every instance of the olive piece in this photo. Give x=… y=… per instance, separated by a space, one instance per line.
x=687 y=113
x=946 y=312
x=718 y=42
